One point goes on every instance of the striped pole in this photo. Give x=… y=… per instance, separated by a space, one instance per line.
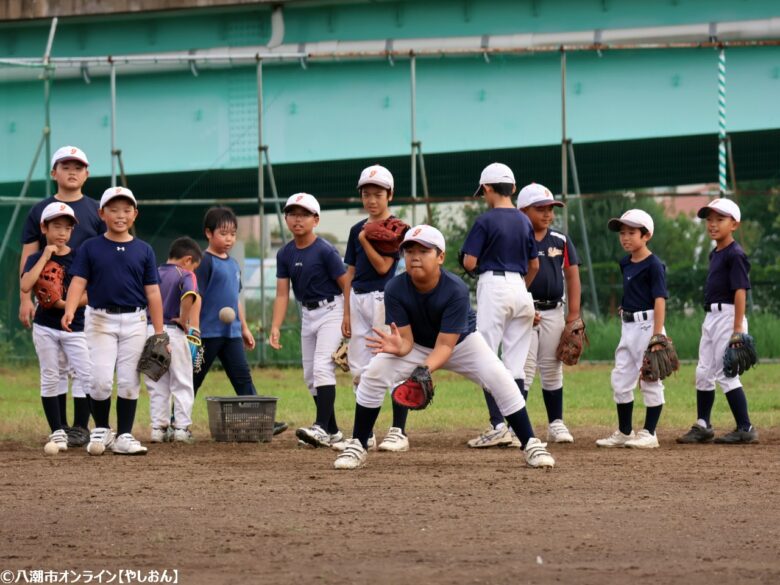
x=722 y=120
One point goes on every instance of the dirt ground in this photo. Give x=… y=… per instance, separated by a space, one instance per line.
x=441 y=513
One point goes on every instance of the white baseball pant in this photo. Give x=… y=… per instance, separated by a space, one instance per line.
x=505 y=316
x=716 y=331
x=630 y=351
x=51 y=345
x=366 y=311
x=176 y=383
x=320 y=337
x=471 y=358
x=541 y=352
x=115 y=343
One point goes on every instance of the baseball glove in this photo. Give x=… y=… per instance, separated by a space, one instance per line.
x=340 y=356
x=77 y=436
x=471 y=273
x=416 y=392
x=386 y=235
x=740 y=355
x=572 y=339
x=155 y=357
x=659 y=364
x=196 y=348
x=50 y=287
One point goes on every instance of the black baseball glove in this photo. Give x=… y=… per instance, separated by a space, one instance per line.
x=155 y=357
x=740 y=355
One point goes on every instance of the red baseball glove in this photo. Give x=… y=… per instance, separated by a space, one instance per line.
x=416 y=392
x=386 y=235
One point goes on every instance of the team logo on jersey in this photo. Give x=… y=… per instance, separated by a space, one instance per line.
x=552 y=252
x=120 y=248
x=299 y=264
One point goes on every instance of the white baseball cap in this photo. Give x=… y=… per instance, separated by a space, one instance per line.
x=69 y=153
x=304 y=200
x=495 y=173
x=634 y=218
x=114 y=192
x=722 y=206
x=536 y=195
x=426 y=235
x=376 y=175
x=57 y=209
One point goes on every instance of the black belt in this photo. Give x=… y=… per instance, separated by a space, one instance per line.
x=118 y=309
x=546 y=305
x=360 y=291
x=708 y=306
x=629 y=317
x=317 y=304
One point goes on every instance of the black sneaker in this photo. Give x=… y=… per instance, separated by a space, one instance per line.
x=77 y=436
x=739 y=437
x=279 y=427
x=697 y=434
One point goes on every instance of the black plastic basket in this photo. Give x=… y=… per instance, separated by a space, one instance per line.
x=243 y=419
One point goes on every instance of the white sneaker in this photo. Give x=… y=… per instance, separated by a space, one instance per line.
x=183 y=436
x=493 y=437
x=558 y=433
x=342 y=444
x=353 y=456
x=159 y=435
x=126 y=444
x=59 y=438
x=616 y=439
x=395 y=441
x=314 y=435
x=536 y=454
x=644 y=439
x=100 y=439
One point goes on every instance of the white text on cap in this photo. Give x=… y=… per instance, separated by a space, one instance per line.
x=114 y=192
x=69 y=153
x=376 y=175
x=308 y=202
x=426 y=235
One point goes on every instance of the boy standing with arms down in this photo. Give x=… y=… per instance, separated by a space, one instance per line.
x=181 y=316
x=119 y=273
x=558 y=266
x=500 y=248
x=319 y=280
x=433 y=325
x=725 y=294
x=69 y=169
x=642 y=311
x=368 y=272
x=57 y=223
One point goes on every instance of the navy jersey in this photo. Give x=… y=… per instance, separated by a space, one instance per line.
x=313 y=270
x=175 y=284
x=501 y=239
x=643 y=282
x=366 y=279
x=219 y=281
x=556 y=252
x=89 y=225
x=445 y=309
x=728 y=273
x=116 y=272
x=52 y=318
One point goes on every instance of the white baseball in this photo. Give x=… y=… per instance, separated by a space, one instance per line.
x=96 y=448
x=51 y=448
x=227 y=315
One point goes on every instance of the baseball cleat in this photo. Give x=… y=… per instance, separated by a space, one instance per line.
x=616 y=439
x=493 y=437
x=159 y=435
x=536 y=454
x=59 y=438
x=183 y=436
x=126 y=444
x=697 y=434
x=394 y=441
x=644 y=439
x=739 y=437
x=99 y=440
x=558 y=433
x=342 y=444
x=352 y=457
x=314 y=435
x=279 y=427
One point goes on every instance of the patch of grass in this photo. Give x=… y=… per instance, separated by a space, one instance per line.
x=458 y=404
